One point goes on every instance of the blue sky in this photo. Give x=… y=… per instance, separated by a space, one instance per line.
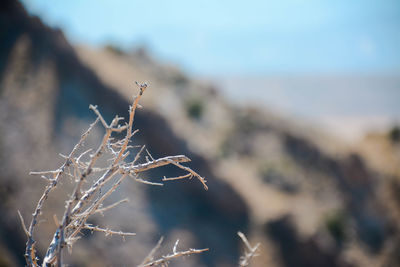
x=253 y=37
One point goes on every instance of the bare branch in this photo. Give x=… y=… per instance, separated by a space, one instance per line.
x=148 y=153
x=150 y=257
x=23 y=223
x=91 y=210
x=107 y=232
x=30 y=253
x=156 y=163
x=46 y=172
x=91 y=191
x=249 y=252
x=140 y=180
x=112 y=205
x=138 y=155
x=189 y=170
x=174 y=248
x=82 y=203
x=189 y=175
x=167 y=258
x=132 y=110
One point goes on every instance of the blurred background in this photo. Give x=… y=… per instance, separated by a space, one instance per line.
x=290 y=109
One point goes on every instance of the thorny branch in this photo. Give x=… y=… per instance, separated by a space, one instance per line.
x=82 y=204
x=164 y=260
x=107 y=232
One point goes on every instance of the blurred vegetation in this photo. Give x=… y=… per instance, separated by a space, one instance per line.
x=195 y=108
x=335 y=224
x=247 y=122
x=394 y=134
x=276 y=177
x=114 y=49
x=180 y=80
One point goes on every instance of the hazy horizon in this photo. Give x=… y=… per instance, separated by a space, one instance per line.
x=346 y=105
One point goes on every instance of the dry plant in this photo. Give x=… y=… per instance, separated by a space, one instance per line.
x=164 y=260
x=249 y=252
x=84 y=203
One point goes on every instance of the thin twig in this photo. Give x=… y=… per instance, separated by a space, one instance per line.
x=132 y=110
x=148 y=153
x=107 y=231
x=189 y=170
x=91 y=210
x=101 y=210
x=23 y=223
x=140 y=180
x=156 y=163
x=249 y=252
x=150 y=257
x=189 y=175
x=167 y=258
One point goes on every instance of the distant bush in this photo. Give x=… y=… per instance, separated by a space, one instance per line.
x=394 y=134
x=114 y=49
x=195 y=108
x=179 y=79
x=274 y=177
x=335 y=223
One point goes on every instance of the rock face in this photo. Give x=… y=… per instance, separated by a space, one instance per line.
x=267 y=176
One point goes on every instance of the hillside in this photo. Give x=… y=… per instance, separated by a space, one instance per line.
x=308 y=202
x=288 y=173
